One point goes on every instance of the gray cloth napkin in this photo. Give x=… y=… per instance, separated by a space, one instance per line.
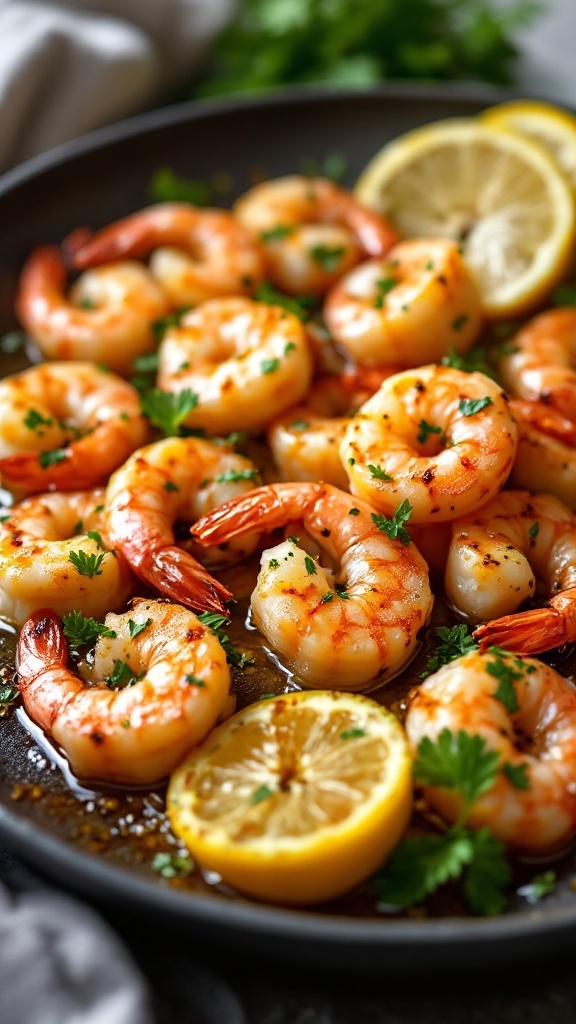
x=60 y=964
x=70 y=66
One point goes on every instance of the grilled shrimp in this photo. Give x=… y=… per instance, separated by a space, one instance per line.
x=538 y=737
x=247 y=362
x=159 y=682
x=312 y=231
x=439 y=438
x=66 y=426
x=54 y=552
x=196 y=254
x=107 y=316
x=540 y=365
x=410 y=308
x=339 y=624
x=177 y=479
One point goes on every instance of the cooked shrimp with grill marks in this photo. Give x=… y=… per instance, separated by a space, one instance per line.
x=312 y=231
x=66 y=426
x=107 y=315
x=157 y=687
x=176 y=480
x=348 y=620
x=536 y=740
x=54 y=551
x=247 y=362
x=195 y=254
x=439 y=438
x=540 y=364
x=498 y=554
x=410 y=308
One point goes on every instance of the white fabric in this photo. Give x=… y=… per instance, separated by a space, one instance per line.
x=69 y=67
x=60 y=964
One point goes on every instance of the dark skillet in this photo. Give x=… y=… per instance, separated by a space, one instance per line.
x=102 y=177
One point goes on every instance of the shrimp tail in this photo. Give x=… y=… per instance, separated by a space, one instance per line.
x=41 y=646
x=534 y=631
x=264 y=508
x=176 y=573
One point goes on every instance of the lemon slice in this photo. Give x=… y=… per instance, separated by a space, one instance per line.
x=297 y=798
x=553 y=128
x=498 y=193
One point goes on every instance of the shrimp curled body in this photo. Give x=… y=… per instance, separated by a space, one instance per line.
x=442 y=439
x=541 y=365
x=66 y=426
x=312 y=231
x=327 y=636
x=410 y=308
x=106 y=317
x=540 y=737
x=37 y=540
x=177 y=479
x=137 y=734
x=196 y=254
x=247 y=362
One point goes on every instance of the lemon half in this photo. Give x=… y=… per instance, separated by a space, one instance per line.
x=298 y=798
x=498 y=193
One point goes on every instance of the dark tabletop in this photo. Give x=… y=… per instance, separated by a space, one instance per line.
x=197 y=983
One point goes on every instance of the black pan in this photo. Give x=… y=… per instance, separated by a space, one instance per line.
x=95 y=180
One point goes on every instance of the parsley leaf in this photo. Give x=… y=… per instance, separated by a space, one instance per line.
x=172 y=865
x=517 y=774
x=310 y=566
x=378 y=473
x=487 y=875
x=459 y=762
x=135 y=628
x=8 y=696
x=454 y=642
x=86 y=565
x=385 y=285
x=352 y=734
x=34 y=419
x=121 y=676
x=327 y=256
x=540 y=886
x=278 y=233
x=167 y=411
x=214 y=621
x=168 y=187
x=81 y=631
x=471 y=406
x=269 y=365
x=266 y=292
x=506 y=675
x=262 y=793
x=393 y=526
x=47 y=459
x=419 y=866
x=233 y=475
x=424 y=431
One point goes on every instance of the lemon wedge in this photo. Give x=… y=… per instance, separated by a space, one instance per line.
x=553 y=128
x=498 y=193
x=298 y=798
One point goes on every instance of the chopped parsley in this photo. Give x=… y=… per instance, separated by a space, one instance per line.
x=194 y=680
x=506 y=676
x=394 y=525
x=47 y=459
x=517 y=774
x=8 y=696
x=121 y=676
x=540 y=886
x=353 y=511
x=215 y=621
x=471 y=406
x=269 y=365
x=260 y=794
x=352 y=734
x=328 y=596
x=425 y=430
x=378 y=473
x=454 y=643
x=459 y=321
x=300 y=425
x=383 y=286
x=327 y=256
x=310 y=566
x=86 y=565
x=167 y=411
x=170 y=486
x=534 y=531
x=234 y=475
x=135 y=628
x=34 y=419
x=172 y=865
x=278 y=233
x=81 y=631
x=273 y=563
x=300 y=306
x=96 y=537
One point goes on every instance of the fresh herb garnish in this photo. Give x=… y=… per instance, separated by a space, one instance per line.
x=170 y=486
x=394 y=525
x=353 y=511
x=167 y=411
x=121 y=676
x=327 y=256
x=8 y=696
x=454 y=643
x=135 y=628
x=269 y=365
x=300 y=307
x=470 y=406
x=168 y=187
x=425 y=430
x=310 y=565
x=459 y=321
x=378 y=473
x=87 y=565
x=517 y=774
x=419 y=866
x=506 y=675
x=214 y=621
x=81 y=631
x=194 y=680
x=473 y=361
x=534 y=531
x=234 y=475
x=96 y=537
x=47 y=459
x=352 y=734
x=172 y=865
x=34 y=419
x=300 y=425
x=278 y=233
x=540 y=886
x=385 y=285
x=262 y=793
